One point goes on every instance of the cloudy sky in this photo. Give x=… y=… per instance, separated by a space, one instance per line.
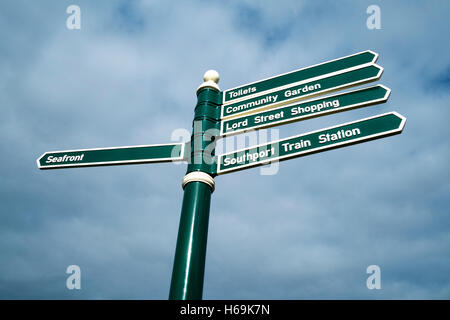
x=128 y=77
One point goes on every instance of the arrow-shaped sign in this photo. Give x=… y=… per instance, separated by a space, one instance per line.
x=308 y=89
x=300 y=111
x=325 y=139
x=112 y=156
x=293 y=77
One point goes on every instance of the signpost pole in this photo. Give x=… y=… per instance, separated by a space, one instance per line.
x=198 y=184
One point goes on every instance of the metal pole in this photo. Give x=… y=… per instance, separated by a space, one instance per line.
x=198 y=184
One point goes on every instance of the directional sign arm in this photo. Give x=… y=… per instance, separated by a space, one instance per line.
x=306 y=110
x=290 y=78
x=112 y=156
x=303 y=91
x=325 y=139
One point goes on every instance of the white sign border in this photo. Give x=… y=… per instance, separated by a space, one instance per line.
x=308 y=116
x=312 y=94
x=297 y=154
x=105 y=163
x=375 y=58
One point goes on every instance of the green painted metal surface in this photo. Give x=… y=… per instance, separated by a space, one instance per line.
x=299 y=75
x=189 y=263
x=300 y=111
x=111 y=156
x=322 y=140
x=305 y=90
x=205 y=127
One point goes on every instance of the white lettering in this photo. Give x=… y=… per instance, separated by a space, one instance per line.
x=305 y=89
x=240 y=92
x=252 y=104
x=64 y=158
x=315 y=107
x=190 y=309
x=235 y=125
x=338 y=135
x=271 y=117
x=248 y=157
x=297 y=145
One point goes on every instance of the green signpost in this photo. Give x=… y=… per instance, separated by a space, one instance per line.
x=257 y=105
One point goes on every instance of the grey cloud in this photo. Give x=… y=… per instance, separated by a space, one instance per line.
x=129 y=76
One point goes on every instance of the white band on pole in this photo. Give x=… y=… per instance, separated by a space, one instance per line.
x=198 y=176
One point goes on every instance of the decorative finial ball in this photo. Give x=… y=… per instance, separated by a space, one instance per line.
x=212 y=75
